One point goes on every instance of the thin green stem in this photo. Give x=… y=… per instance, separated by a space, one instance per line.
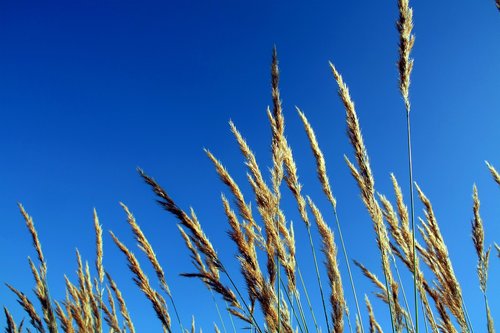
x=278 y=267
x=308 y=300
x=291 y=305
x=318 y=277
x=412 y=216
x=346 y=257
x=389 y=297
x=223 y=269
x=469 y=323
x=175 y=310
x=403 y=291
x=349 y=322
x=301 y=310
x=425 y=318
x=387 y=287
x=231 y=318
x=218 y=311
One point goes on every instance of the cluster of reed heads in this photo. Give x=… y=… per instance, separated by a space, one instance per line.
x=274 y=297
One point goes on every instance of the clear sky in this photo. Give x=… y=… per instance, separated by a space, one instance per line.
x=89 y=90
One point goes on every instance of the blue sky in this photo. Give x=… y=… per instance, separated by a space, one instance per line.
x=91 y=90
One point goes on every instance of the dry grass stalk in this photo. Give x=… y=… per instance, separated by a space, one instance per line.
x=375 y=280
x=325 y=184
x=436 y=256
x=142 y=282
x=191 y=223
x=34 y=235
x=320 y=159
x=195 y=254
x=405 y=66
x=374 y=325
x=247 y=257
x=402 y=234
x=211 y=280
x=110 y=315
x=28 y=307
x=121 y=302
x=358 y=325
x=96 y=301
x=11 y=324
x=366 y=183
x=478 y=240
x=42 y=294
x=494 y=173
x=266 y=204
x=210 y=277
x=99 y=248
x=337 y=300
x=146 y=247
x=406 y=41
x=273 y=218
x=42 y=289
x=282 y=156
x=483 y=256
x=489 y=320
x=82 y=309
x=74 y=307
x=244 y=209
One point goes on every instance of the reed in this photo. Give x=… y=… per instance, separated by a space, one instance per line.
x=269 y=298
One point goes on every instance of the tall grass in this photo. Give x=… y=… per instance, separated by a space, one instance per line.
x=271 y=298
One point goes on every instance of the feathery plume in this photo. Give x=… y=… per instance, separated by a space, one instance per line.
x=34 y=235
x=28 y=307
x=320 y=159
x=146 y=247
x=374 y=325
x=494 y=172
x=11 y=324
x=366 y=183
x=191 y=223
x=435 y=255
x=142 y=282
x=121 y=302
x=99 y=248
x=478 y=240
x=406 y=41
x=330 y=250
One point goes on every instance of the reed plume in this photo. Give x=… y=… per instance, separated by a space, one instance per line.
x=121 y=303
x=325 y=184
x=436 y=256
x=11 y=324
x=482 y=255
x=366 y=183
x=29 y=308
x=337 y=300
x=42 y=289
x=494 y=173
x=405 y=65
x=399 y=228
x=374 y=325
x=142 y=281
x=406 y=41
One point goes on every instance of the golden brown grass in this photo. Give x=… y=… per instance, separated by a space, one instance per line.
x=266 y=247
